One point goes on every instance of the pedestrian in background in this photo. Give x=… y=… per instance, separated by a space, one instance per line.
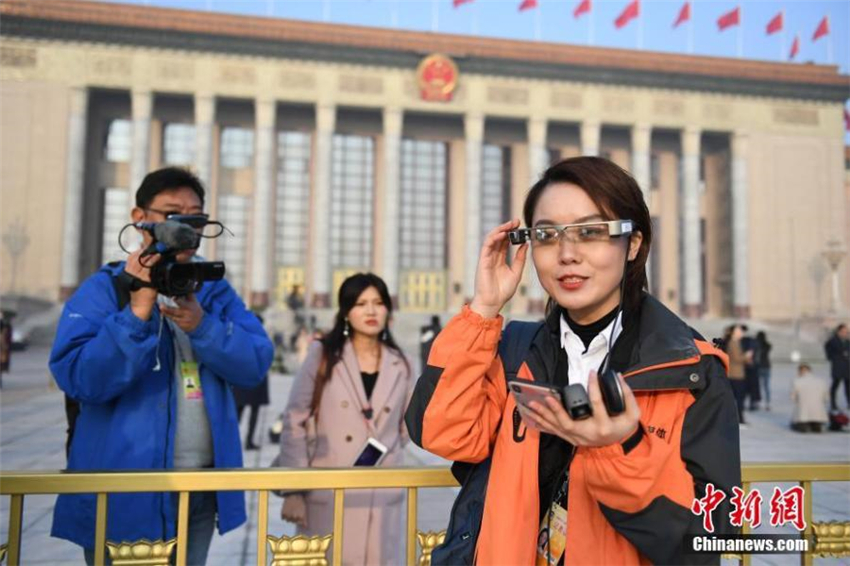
x=427 y=334
x=838 y=353
x=353 y=386
x=763 y=348
x=751 y=371
x=253 y=398
x=810 y=395
x=737 y=367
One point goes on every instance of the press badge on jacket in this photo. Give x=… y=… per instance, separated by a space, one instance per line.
x=552 y=537
x=191 y=380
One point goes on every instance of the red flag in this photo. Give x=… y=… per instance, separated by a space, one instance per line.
x=795 y=47
x=684 y=15
x=631 y=12
x=527 y=5
x=775 y=24
x=461 y=2
x=823 y=29
x=729 y=19
x=582 y=8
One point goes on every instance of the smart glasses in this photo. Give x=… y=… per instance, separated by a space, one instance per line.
x=584 y=233
x=200 y=222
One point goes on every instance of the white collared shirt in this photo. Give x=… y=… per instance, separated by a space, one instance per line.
x=582 y=362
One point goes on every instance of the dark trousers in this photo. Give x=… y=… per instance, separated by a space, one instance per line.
x=202 y=513
x=739 y=389
x=252 y=421
x=836 y=381
x=752 y=389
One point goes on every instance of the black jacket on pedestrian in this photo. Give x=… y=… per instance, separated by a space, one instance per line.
x=838 y=354
x=256 y=396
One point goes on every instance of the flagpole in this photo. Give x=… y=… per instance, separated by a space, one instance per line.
x=740 y=33
x=640 y=31
x=829 y=41
x=537 y=30
x=434 y=17
x=691 y=30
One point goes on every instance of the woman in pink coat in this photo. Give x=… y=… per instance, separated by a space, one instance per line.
x=353 y=385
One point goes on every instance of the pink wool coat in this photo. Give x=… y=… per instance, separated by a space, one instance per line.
x=372 y=523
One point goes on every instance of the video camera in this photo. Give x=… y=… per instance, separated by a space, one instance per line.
x=179 y=233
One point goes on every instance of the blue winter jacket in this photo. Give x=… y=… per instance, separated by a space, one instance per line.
x=107 y=359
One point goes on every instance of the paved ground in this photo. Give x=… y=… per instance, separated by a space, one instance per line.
x=32 y=434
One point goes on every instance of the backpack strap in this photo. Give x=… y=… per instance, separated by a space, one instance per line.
x=121 y=282
x=514 y=345
x=707 y=349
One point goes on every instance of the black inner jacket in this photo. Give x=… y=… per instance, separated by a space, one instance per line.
x=555 y=453
x=369 y=381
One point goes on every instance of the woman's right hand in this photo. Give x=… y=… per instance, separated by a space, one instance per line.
x=495 y=280
x=294 y=509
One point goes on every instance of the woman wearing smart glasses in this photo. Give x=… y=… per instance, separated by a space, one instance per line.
x=613 y=477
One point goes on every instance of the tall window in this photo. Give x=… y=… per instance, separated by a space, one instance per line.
x=352 y=190
x=115 y=216
x=233 y=212
x=655 y=258
x=654 y=172
x=178 y=144
x=422 y=226
x=495 y=187
x=292 y=211
x=119 y=141
x=237 y=147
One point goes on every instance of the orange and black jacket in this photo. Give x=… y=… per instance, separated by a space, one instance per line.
x=627 y=503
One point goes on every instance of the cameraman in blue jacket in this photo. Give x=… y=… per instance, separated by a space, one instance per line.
x=152 y=376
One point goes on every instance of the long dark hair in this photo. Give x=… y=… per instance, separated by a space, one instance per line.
x=617 y=195
x=334 y=341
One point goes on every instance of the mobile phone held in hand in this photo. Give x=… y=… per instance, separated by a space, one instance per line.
x=525 y=392
x=371 y=454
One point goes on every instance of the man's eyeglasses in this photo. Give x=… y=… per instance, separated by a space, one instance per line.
x=584 y=233
x=200 y=222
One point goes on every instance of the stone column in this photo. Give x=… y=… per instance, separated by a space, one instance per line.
x=393 y=120
x=691 y=266
x=141 y=105
x=641 y=142
x=264 y=117
x=536 y=165
x=204 y=122
x=641 y=152
x=320 y=241
x=141 y=108
x=474 y=132
x=740 y=226
x=75 y=155
x=204 y=129
x=590 y=133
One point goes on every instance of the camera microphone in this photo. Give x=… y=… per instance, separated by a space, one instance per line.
x=170 y=236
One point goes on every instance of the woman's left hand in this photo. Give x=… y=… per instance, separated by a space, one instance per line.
x=600 y=429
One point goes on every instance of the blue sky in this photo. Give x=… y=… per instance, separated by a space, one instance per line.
x=552 y=21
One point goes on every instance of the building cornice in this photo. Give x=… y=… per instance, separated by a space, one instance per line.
x=120 y=24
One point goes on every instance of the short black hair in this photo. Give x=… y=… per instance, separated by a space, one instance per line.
x=167 y=179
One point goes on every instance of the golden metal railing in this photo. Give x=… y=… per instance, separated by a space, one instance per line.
x=831 y=539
